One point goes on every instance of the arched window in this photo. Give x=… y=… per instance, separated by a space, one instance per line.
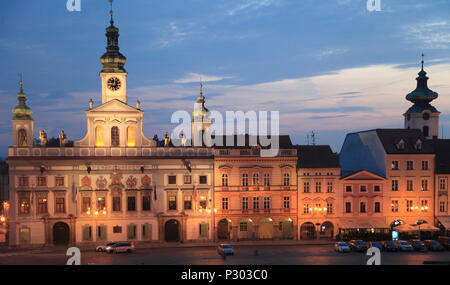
x=224 y=179
x=266 y=179
x=115 y=139
x=131 y=136
x=255 y=178
x=244 y=179
x=286 y=181
x=22 y=137
x=426 y=131
x=99 y=136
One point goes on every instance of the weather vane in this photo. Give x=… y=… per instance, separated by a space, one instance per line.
x=422 y=59
x=20 y=81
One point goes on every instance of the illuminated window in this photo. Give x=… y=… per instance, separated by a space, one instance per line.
x=115 y=136
x=99 y=136
x=131 y=136
x=42 y=205
x=24 y=206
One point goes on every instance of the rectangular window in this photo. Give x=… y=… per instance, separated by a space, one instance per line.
x=187 y=179
x=442 y=206
x=24 y=206
x=172 y=179
x=101 y=204
x=329 y=208
x=85 y=204
x=42 y=205
x=256 y=203
x=394 y=206
x=188 y=202
x=203 y=230
x=172 y=202
x=59 y=181
x=41 y=181
x=243 y=227
x=244 y=203
x=348 y=207
x=376 y=188
x=60 y=205
x=409 y=205
x=424 y=206
x=147 y=231
x=202 y=203
x=394 y=185
x=131 y=203
x=377 y=208
x=203 y=179
x=24 y=236
x=116 y=204
x=101 y=233
x=394 y=165
x=442 y=184
x=362 y=207
x=409 y=185
x=363 y=188
x=425 y=165
x=266 y=203
x=305 y=209
x=348 y=188
x=24 y=181
x=146 y=203
x=330 y=187
x=286 y=202
x=117 y=229
x=424 y=184
x=306 y=187
x=224 y=203
x=318 y=187
x=87 y=233
x=131 y=232
x=266 y=179
x=409 y=165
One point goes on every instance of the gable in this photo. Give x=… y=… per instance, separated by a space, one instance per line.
x=363 y=175
x=114 y=106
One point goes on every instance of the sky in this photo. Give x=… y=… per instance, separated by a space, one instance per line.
x=328 y=66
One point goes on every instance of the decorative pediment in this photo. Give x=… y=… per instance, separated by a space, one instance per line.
x=225 y=166
x=363 y=175
x=285 y=165
x=114 y=106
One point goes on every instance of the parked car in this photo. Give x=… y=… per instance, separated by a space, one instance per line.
x=225 y=249
x=403 y=245
x=101 y=248
x=434 y=245
x=376 y=244
x=445 y=241
x=341 y=246
x=390 y=245
x=358 y=245
x=418 y=245
x=118 y=247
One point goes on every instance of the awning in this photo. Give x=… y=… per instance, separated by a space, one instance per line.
x=363 y=224
x=426 y=227
x=405 y=228
x=445 y=221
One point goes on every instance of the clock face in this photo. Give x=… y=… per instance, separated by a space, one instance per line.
x=114 y=83
x=426 y=116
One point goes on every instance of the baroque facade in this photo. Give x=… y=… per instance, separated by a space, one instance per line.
x=115 y=184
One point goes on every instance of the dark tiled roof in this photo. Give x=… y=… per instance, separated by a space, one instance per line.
x=442 y=150
x=284 y=141
x=390 y=138
x=316 y=156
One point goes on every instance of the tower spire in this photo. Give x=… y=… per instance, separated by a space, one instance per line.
x=21 y=111
x=111 y=12
x=422 y=60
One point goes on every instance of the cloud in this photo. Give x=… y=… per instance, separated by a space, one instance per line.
x=434 y=34
x=247 y=6
x=195 y=77
x=331 y=51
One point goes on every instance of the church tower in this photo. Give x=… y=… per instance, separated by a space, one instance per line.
x=113 y=74
x=422 y=115
x=201 y=120
x=22 y=122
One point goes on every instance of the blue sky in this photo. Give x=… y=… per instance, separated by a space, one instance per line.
x=330 y=65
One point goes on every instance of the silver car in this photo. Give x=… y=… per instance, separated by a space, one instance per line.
x=102 y=248
x=225 y=249
x=404 y=245
x=118 y=247
x=341 y=247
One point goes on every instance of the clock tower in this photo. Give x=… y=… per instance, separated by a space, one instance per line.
x=422 y=115
x=113 y=74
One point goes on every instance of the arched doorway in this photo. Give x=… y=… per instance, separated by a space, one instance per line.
x=327 y=230
x=224 y=229
x=172 y=231
x=307 y=231
x=245 y=229
x=61 y=233
x=265 y=228
x=287 y=228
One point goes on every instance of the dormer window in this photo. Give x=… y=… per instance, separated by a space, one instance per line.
x=418 y=145
x=401 y=145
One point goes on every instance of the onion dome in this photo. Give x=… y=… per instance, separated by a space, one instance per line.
x=22 y=111
x=112 y=60
x=199 y=107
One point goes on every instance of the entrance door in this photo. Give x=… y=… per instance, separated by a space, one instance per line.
x=223 y=230
x=172 y=231
x=61 y=233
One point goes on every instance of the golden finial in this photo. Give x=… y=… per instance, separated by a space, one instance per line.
x=201 y=87
x=20 y=82
x=111 y=11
